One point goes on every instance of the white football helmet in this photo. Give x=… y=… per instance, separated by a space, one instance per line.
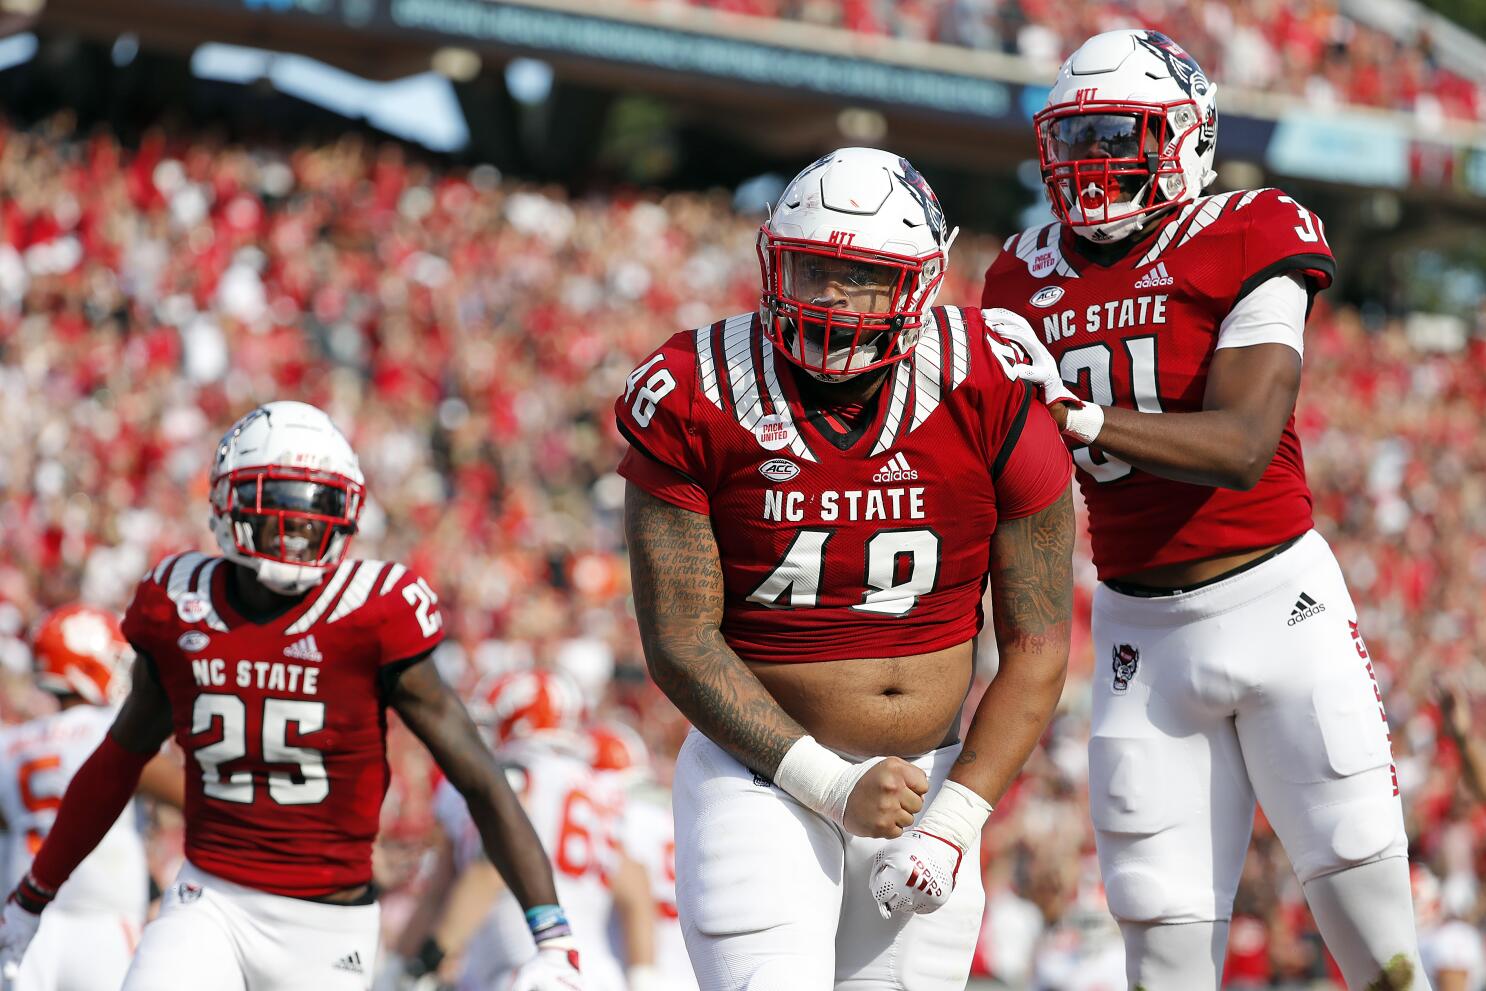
x=286 y=493
x=851 y=259
x=1129 y=129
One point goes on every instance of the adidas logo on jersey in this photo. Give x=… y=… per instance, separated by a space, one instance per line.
x=1305 y=608
x=896 y=470
x=1155 y=278
x=351 y=961
x=304 y=649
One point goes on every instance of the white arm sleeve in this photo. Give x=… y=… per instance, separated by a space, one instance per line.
x=1274 y=313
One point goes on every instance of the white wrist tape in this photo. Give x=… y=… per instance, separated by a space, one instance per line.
x=821 y=780
x=957 y=814
x=1084 y=422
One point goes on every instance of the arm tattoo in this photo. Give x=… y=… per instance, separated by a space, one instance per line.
x=677 y=580
x=1032 y=578
x=967 y=756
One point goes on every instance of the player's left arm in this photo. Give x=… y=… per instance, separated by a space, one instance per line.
x=1032 y=611
x=436 y=716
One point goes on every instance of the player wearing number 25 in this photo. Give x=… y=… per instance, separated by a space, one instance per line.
x=817 y=492
x=1165 y=328
x=273 y=666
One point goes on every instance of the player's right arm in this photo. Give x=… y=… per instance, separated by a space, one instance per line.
x=95 y=798
x=676 y=574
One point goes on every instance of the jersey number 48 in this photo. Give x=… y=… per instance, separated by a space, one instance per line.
x=795 y=583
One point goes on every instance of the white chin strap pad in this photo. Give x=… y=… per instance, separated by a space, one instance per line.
x=287 y=579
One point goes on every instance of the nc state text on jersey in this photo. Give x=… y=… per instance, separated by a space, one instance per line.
x=1116 y=314
x=274 y=676
x=849 y=505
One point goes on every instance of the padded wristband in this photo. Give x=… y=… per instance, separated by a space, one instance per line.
x=957 y=815
x=94 y=800
x=821 y=780
x=547 y=922
x=31 y=896
x=1084 y=422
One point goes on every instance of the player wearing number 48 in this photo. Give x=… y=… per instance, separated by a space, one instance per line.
x=272 y=665
x=1165 y=329
x=817 y=492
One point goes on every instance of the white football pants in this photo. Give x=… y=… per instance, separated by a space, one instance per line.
x=215 y=934
x=77 y=951
x=1259 y=684
x=773 y=897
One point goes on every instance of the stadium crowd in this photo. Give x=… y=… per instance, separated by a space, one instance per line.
x=470 y=333
x=1310 y=49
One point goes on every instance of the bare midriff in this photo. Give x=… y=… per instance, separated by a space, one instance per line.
x=892 y=706
x=1189 y=573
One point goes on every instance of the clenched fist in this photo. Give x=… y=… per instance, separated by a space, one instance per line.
x=886 y=799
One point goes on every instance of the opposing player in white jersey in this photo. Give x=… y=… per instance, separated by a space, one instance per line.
x=1236 y=666
x=533 y=717
x=82 y=659
x=647 y=834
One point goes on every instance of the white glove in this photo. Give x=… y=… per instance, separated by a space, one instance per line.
x=1039 y=368
x=916 y=872
x=554 y=968
x=17 y=926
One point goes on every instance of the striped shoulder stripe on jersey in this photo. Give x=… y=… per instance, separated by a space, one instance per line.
x=394 y=573
x=707 y=362
x=178 y=580
x=1211 y=210
x=358 y=589
x=752 y=379
x=959 y=347
x=329 y=589
x=1171 y=230
x=897 y=406
x=797 y=445
x=163 y=568
x=737 y=352
x=928 y=369
x=202 y=586
x=1250 y=195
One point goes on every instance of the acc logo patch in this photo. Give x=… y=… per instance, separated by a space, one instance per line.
x=193 y=640
x=1047 y=296
x=774 y=432
x=779 y=470
x=192 y=608
x=1126 y=659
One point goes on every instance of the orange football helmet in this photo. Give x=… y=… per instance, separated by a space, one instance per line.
x=81 y=650
x=520 y=703
x=616 y=747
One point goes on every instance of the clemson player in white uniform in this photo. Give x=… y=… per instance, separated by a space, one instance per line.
x=647 y=834
x=82 y=659
x=1236 y=666
x=533 y=718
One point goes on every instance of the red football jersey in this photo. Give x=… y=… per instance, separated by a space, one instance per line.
x=872 y=543
x=283 y=722
x=1139 y=334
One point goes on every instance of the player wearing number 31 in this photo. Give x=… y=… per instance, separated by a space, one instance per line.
x=1165 y=328
x=273 y=666
x=817 y=491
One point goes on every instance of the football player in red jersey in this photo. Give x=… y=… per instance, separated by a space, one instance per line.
x=273 y=666
x=817 y=492
x=1165 y=328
